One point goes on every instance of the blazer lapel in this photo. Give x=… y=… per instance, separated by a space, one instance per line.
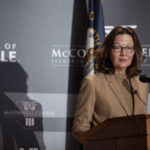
x=116 y=90
x=134 y=85
x=136 y=90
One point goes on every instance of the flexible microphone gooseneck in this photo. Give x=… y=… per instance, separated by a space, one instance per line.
x=133 y=100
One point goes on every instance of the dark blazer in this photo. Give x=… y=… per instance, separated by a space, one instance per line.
x=101 y=98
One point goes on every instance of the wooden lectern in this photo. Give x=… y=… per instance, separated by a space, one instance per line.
x=122 y=133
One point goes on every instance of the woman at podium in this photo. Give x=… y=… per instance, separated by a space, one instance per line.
x=115 y=90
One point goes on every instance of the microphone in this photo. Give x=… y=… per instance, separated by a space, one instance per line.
x=144 y=78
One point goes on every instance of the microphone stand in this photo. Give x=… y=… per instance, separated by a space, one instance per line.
x=133 y=100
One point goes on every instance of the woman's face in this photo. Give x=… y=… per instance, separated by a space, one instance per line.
x=122 y=52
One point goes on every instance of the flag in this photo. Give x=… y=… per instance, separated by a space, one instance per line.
x=95 y=33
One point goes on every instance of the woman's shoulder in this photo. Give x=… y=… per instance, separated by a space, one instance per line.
x=94 y=78
x=97 y=76
x=91 y=81
x=140 y=83
x=137 y=78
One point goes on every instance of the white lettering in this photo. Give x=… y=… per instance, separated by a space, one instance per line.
x=149 y=52
x=144 y=51
x=7 y=46
x=12 y=56
x=13 y=46
x=2 y=56
x=65 y=53
x=56 y=53
x=81 y=53
x=73 y=51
